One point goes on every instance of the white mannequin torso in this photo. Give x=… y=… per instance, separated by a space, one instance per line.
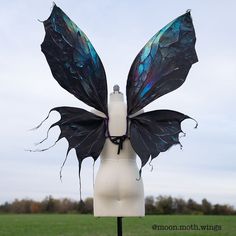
x=117 y=192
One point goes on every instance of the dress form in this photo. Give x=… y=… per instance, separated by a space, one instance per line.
x=117 y=190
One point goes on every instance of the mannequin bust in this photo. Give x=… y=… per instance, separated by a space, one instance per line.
x=118 y=191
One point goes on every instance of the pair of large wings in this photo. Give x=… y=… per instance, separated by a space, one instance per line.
x=160 y=67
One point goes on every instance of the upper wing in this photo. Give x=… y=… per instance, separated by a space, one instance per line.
x=163 y=63
x=73 y=60
x=154 y=132
x=84 y=131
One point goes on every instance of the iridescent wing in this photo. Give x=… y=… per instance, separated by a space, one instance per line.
x=163 y=63
x=73 y=60
x=84 y=131
x=154 y=132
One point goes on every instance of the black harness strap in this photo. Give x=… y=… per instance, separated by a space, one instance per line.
x=118 y=140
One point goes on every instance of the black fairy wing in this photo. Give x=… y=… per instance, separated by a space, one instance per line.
x=163 y=63
x=154 y=132
x=73 y=60
x=84 y=131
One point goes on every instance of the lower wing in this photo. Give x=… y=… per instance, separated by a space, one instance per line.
x=154 y=132
x=84 y=131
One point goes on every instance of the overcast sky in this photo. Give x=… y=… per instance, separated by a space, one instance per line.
x=205 y=168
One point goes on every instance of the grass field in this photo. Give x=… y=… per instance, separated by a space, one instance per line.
x=87 y=225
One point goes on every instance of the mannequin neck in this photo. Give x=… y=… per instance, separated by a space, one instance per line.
x=116 y=97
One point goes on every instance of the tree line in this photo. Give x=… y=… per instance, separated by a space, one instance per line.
x=170 y=205
x=153 y=206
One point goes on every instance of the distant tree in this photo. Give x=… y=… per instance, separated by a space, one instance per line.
x=164 y=205
x=150 y=205
x=5 y=208
x=49 y=205
x=223 y=210
x=180 y=206
x=206 y=207
x=194 y=207
x=88 y=205
x=21 y=206
x=81 y=207
x=35 y=207
x=66 y=205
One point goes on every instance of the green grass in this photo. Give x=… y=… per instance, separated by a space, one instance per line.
x=87 y=225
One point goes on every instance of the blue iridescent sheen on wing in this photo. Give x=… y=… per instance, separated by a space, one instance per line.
x=73 y=60
x=163 y=63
